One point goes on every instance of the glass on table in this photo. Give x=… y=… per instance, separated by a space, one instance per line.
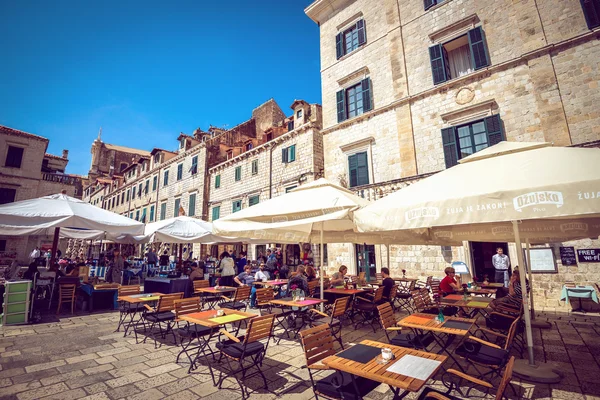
x=386 y=354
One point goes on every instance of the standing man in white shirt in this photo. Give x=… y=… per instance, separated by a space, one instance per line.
x=501 y=264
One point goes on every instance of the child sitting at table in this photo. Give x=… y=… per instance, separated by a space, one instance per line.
x=449 y=284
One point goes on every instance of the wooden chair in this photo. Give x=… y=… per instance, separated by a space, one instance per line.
x=367 y=308
x=205 y=298
x=336 y=318
x=379 y=276
x=263 y=299
x=404 y=298
x=200 y=284
x=245 y=352
x=354 y=279
x=66 y=294
x=392 y=297
x=430 y=393
x=239 y=300
x=423 y=304
x=127 y=309
x=189 y=332
x=410 y=340
x=84 y=272
x=160 y=314
x=312 y=287
x=361 y=279
x=317 y=343
x=434 y=287
x=482 y=353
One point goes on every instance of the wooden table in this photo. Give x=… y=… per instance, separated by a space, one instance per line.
x=427 y=322
x=345 y=292
x=302 y=309
x=131 y=301
x=207 y=318
x=277 y=282
x=477 y=303
x=377 y=372
x=492 y=285
x=482 y=291
x=213 y=300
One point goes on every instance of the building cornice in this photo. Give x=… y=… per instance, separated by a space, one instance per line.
x=460 y=82
x=320 y=10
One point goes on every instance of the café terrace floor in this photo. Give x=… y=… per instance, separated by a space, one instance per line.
x=80 y=357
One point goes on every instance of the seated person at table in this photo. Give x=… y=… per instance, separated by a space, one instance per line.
x=197 y=273
x=262 y=274
x=515 y=292
x=449 y=284
x=337 y=279
x=72 y=270
x=56 y=268
x=298 y=280
x=311 y=275
x=245 y=278
x=387 y=283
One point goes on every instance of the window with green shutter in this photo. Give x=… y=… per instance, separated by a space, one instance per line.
x=216 y=213
x=289 y=189
x=176 y=208
x=463 y=140
x=358 y=169
x=147 y=186
x=354 y=100
x=430 y=3
x=131 y=215
x=194 y=167
x=217 y=181
x=290 y=126
x=163 y=211
x=192 y=205
x=179 y=172
x=350 y=39
x=143 y=219
x=154 y=183
x=137 y=215
x=236 y=206
x=132 y=192
x=591 y=11
x=123 y=197
x=288 y=154
x=140 y=190
x=166 y=178
x=127 y=195
x=254 y=200
x=238 y=174
x=151 y=213
x=254 y=167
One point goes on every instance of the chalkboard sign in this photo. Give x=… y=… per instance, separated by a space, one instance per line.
x=588 y=255
x=567 y=256
x=542 y=260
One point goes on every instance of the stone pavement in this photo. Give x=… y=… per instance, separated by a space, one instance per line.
x=80 y=357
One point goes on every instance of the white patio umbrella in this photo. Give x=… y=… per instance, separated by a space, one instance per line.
x=36 y=216
x=513 y=191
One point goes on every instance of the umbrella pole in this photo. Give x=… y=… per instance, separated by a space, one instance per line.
x=54 y=246
x=530 y=278
x=387 y=247
x=528 y=369
x=322 y=271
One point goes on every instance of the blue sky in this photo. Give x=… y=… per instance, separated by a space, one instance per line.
x=147 y=70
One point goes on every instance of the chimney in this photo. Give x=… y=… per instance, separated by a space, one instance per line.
x=65 y=154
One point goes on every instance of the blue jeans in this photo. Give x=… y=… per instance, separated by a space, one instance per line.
x=253 y=297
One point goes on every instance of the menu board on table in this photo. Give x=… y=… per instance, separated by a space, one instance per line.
x=542 y=260
x=567 y=256
x=588 y=255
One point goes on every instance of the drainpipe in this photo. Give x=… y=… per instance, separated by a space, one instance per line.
x=271 y=171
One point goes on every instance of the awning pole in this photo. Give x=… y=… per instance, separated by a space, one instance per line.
x=387 y=246
x=322 y=270
x=54 y=247
x=530 y=278
x=524 y=296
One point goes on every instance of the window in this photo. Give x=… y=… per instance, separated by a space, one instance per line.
x=112 y=203
x=14 y=156
x=299 y=114
x=127 y=195
x=350 y=39
x=2 y=245
x=123 y=198
x=179 y=172
x=118 y=199
x=254 y=167
x=140 y=190
x=192 y=205
x=288 y=154
x=147 y=186
x=459 y=56
x=358 y=169
x=290 y=125
x=156 y=158
x=217 y=181
x=131 y=215
x=151 y=213
x=238 y=174
x=464 y=140
x=354 y=100
x=431 y=3
x=176 y=208
x=248 y=146
x=237 y=206
x=7 y=195
x=154 y=183
x=194 y=168
x=289 y=189
x=229 y=154
x=216 y=213
x=163 y=211
x=143 y=219
x=137 y=215
x=591 y=10
x=269 y=137
x=166 y=178
x=254 y=200
x=133 y=193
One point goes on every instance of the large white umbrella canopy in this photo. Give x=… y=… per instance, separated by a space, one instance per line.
x=508 y=192
x=181 y=229
x=36 y=216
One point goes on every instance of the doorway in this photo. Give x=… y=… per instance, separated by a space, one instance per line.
x=482 y=253
x=365 y=260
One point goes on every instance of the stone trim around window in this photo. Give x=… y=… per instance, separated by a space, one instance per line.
x=454 y=30
x=357 y=146
x=470 y=113
x=349 y=22
x=353 y=78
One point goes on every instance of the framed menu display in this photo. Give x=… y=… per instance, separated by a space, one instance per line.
x=542 y=260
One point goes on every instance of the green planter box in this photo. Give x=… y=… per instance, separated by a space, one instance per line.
x=16 y=308
x=10 y=298
x=18 y=287
x=11 y=319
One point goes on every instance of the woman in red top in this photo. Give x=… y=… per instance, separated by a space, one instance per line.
x=449 y=285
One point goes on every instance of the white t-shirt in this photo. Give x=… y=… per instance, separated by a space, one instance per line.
x=261 y=276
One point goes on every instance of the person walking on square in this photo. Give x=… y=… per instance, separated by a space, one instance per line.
x=501 y=264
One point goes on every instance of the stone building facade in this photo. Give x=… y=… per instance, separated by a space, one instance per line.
x=28 y=172
x=411 y=86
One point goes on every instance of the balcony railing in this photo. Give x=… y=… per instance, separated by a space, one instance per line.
x=375 y=191
x=59 y=178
